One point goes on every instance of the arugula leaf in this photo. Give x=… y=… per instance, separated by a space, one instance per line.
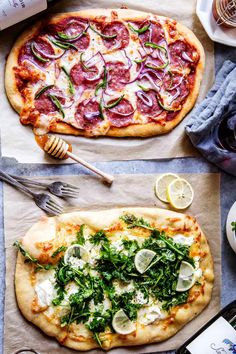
x=80 y=239
x=31 y=259
x=98 y=237
x=133 y=221
x=59 y=250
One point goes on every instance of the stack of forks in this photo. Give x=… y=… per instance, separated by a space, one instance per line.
x=43 y=200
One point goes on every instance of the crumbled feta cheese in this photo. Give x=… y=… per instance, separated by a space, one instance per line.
x=183 y=240
x=45 y=292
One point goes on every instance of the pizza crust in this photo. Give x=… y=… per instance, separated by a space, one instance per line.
x=160 y=331
x=133 y=130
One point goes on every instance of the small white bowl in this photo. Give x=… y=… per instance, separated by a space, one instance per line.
x=216 y=33
x=229 y=232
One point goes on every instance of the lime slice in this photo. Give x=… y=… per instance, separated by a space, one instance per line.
x=122 y=324
x=76 y=256
x=180 y=193
x=161 y=185
x=142 y=259
x=186 y=277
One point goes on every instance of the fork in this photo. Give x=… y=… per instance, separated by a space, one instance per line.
x=42 y=200
x=58 y=188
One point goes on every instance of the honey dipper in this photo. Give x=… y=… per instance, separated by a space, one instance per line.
x=60 y=149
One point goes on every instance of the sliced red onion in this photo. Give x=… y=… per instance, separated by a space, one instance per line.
x=94 y=78
x=176 y=85
x=79 y=34
x=150 y=33
x=57 y=70
x=186 y=57
x=155 y=86
x=94 y=59
x=46 y=55
x=145 y=98
x=35 y=64
x=91 y=115
x=117 y=45
x=120 y=113
x=174 y=96
x=69 y=104
x=154 y=72
x=129 y=62
x=137 y=76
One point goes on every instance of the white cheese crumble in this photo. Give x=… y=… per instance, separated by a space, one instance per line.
x=121 y=288
x=149 y=314
x=183 y=240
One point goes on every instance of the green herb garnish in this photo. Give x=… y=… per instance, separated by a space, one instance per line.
x=65 y=37
x=139 y=61
x=103 y=35
x=115 y=103
x=98 y=237
x=140 y=30
x=59 y=250
x=143 y=88
x=158 y=67
x=32 y=47
x=155 y=46
x=71 y=86
x=101 y=109
x=31 y=259
x=57 y=104
x=83 y=65
x=63 y=45
x=132 y=221
x=102 y=84
x=42 y=90
x=80 y=239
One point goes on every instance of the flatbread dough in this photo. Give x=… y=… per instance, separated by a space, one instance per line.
x=50 y=233
x=131 y=130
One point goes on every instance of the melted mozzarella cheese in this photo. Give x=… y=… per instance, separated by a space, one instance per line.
x=45 y=292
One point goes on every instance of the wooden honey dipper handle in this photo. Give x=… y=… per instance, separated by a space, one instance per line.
x=108 y=178
x=60 y=149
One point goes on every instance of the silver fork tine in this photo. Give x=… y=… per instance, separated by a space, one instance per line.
x=69 y=189
x=51 y=210
x=54 y=205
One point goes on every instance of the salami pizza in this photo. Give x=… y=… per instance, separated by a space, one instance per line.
x=104 y=72
x=110 y=278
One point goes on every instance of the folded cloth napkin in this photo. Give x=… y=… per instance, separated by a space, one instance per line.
x=211 y=117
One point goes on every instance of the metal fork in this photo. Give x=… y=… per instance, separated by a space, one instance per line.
x=42 y=200
x=58 y=188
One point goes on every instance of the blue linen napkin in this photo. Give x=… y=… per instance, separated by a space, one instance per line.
x=203 y=125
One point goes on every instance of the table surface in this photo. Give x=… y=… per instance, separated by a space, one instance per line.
x=181 y=165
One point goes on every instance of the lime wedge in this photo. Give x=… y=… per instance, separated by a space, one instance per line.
x=180 y=193
x=122 y=324
x=186 y=277
x=76 y=256
x=142 y=259
x=161 y=185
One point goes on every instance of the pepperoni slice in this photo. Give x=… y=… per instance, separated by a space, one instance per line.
x=87 y=114
x=177 y=50
x=155 y=33
x=117 y=73
x=150 y=105
x=122 y=35
x=119 y=115
x=42 y=44
x=44 y=103
x=80 y=76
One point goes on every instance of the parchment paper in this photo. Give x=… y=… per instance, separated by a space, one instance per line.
x=127 y=190
x=18 y=139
